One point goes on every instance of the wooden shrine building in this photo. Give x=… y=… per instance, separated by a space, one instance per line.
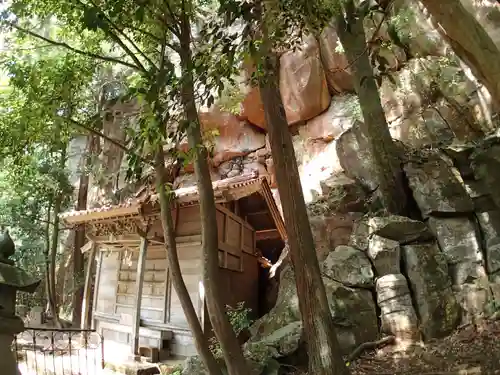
x=134 y=306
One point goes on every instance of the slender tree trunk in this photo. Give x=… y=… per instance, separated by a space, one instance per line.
x=469 y=40
x=200 y=340
x=54 y=242
x=389 y=174
x=323 y=347
x=231 y=349
x=88 y=288
x=46 y=254
x=79 y=240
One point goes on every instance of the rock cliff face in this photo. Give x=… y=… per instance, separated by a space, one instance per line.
x=414 y=279
x=383 y=274
x=428 y=98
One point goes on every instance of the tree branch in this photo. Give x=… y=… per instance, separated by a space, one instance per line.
x=107 y=138
x=121 y=43
x=70 y=48
x=175 y=31
x=372 y=39
x=370 y=345
x=147 y=33
x=50 y=223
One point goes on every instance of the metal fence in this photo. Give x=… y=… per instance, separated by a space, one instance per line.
x=50 y=351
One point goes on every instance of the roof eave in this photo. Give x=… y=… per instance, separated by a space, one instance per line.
x=75 y=218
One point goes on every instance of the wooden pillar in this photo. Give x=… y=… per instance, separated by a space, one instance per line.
x=97 y=282
x=87 y=291
x=141 y=266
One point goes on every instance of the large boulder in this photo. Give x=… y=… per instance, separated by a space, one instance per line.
x=417 y=30
x=397 y=314
x=348 y=266
x=335 y=62
x=331 y=230
x=489 y=223
x=354 y=314
x=460 y=154
x=353 y=151
x=427 y=272
x=285 y=311
x=340 y=194
x=282 y=342
x=398 y=228
x=486 y=166
x=457 y=238
x=303 y=83
x=231 y=137
x=423 y=108
x=252 y=108
x=352 y=309
x=385 y=255
x=317 y=161
x=339 y=117
x=475 y=300
x=303 y=87
x=437 y=187
x=423 y=128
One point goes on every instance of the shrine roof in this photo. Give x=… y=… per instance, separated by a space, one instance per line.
x=229 y=189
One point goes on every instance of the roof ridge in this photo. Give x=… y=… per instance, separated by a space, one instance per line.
x=136 y=200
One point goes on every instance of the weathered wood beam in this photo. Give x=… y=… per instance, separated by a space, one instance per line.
x=136 y=322
x=273 y=208
x=96 y=284
x=268 y=234
x=87 y=291
x=88 y=246
x=258 y=213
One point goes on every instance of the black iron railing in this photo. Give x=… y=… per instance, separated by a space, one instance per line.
x=50 y=351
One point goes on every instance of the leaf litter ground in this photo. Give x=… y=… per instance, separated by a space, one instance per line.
x=472 y=349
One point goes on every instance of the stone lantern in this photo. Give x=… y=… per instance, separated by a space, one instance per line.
x=12 y=279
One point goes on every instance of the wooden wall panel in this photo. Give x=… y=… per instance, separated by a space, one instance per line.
x=106 y=297
x=232 y=242
x=248 y=241
x=233 y=233
x=153 y=291
x=221 y=224
x=190 y=263
x=240 y=286
x=233 y=263
x=189 y=221
x=239 y=270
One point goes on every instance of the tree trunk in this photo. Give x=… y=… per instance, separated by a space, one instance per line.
x=46 y=254
x=231 y=349
x=200 y=340
x=386 y=161
x=79 y=240
x=88 y=288
x=323 y=347
x=54 y=243
x=469 y=40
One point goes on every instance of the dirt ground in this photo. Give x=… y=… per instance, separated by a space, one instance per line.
x=470 y=350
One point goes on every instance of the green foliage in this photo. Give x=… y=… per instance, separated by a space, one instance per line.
x=399 y=25
x=26 y=191
x=170 y=370
x=239 y=317
x=45 y=89
x=231 y=98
